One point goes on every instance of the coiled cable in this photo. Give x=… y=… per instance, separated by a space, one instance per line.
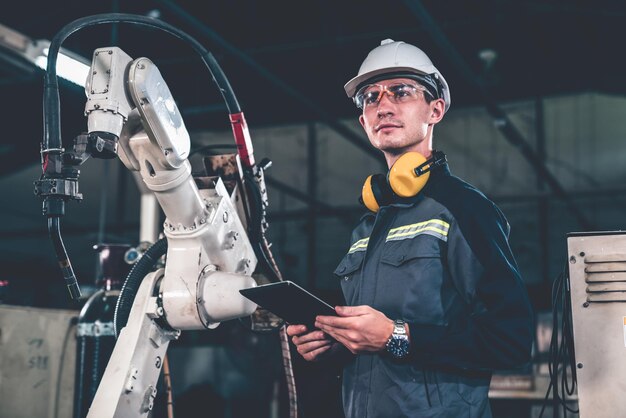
x=562 y=362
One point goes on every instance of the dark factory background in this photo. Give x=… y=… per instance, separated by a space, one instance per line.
x=551 y=69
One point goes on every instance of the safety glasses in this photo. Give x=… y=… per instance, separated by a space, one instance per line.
x=369 y=95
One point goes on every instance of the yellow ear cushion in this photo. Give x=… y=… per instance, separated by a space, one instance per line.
x=368 y=195
x=402 y=178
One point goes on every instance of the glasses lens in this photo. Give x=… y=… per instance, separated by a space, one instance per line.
x=401 y=92
x=366 y=96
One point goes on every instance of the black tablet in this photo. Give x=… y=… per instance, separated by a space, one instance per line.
x=289 y=301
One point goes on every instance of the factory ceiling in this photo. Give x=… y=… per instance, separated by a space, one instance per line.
x=288 y=60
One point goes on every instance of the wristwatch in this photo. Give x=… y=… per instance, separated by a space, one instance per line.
x=398 y=344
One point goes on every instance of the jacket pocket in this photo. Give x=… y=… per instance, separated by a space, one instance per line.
x=399 y=252
x=412 y=280
x=349 y=271
x=350 y=263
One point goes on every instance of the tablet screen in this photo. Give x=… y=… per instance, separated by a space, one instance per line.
x=289 y=301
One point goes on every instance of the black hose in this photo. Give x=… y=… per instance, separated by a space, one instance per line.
x=255 y=227
x=52 y=108
x=54 y=231
x=133 y=280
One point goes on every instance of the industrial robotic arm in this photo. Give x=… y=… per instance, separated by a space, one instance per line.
x=215 y=238
x=209 y=255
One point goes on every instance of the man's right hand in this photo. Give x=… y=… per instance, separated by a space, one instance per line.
x=310 y=344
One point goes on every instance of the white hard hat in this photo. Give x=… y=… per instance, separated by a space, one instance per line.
x=399 y=59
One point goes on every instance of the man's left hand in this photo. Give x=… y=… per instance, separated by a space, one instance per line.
x=359 y=328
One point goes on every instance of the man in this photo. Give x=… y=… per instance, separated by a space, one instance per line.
x=436 y=300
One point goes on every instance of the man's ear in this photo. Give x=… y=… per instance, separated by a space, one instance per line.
x=438 y=107
x=362 y=120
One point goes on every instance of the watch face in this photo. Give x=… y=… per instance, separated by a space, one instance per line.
x=398 y=346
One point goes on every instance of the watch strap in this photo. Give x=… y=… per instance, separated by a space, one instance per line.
x=398 y=327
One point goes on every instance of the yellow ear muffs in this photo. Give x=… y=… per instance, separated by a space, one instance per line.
x=376 y=192
x=367 y=196
x=406 y=178
x=403 y=178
